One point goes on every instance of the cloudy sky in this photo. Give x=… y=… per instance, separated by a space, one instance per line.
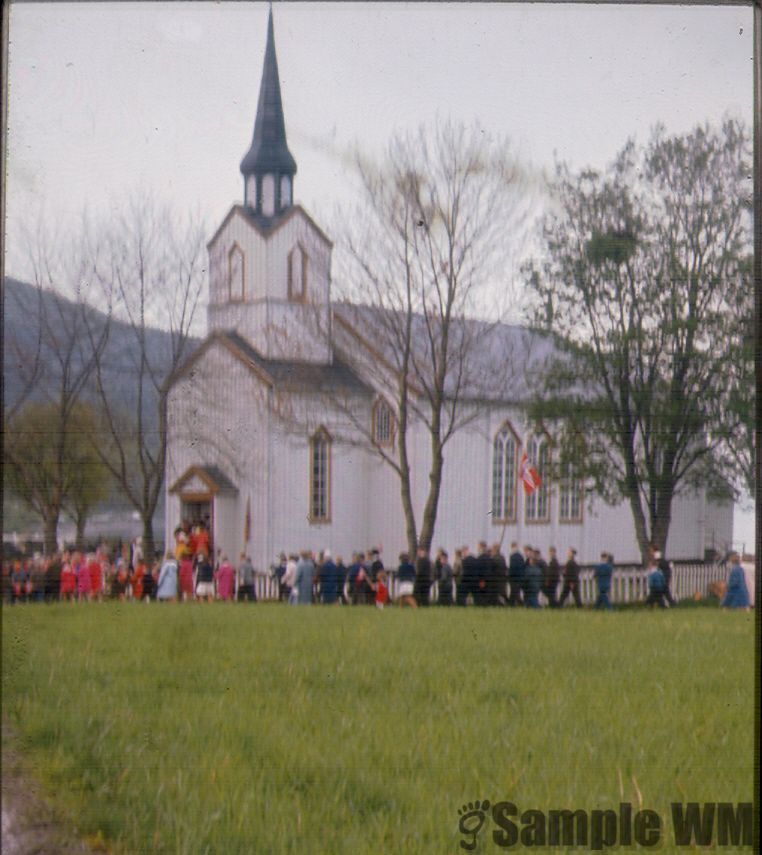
x=109 y=99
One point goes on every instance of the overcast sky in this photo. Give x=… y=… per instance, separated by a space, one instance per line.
x=107 y=99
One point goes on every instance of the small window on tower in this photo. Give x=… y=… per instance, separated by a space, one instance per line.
x=285 y=191
x=297 y=274
x=235 y=273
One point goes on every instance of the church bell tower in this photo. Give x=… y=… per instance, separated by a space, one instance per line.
x=269 y=262
x=268 y=167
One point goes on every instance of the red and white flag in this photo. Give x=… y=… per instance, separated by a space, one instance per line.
x=530 y=477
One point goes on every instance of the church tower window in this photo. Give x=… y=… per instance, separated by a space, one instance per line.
x=235 y=274
x=268 y=195
x=285 y=191
x=383 y=423
x=298 y=264
x=320 y=477
x=504 y=451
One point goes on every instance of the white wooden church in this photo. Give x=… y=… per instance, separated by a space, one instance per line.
x=260 y=448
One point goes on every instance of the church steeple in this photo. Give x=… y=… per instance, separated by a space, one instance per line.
x=268 y=167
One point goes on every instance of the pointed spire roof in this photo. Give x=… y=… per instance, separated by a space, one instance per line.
x=269 y=150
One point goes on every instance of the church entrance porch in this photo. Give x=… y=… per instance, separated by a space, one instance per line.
x=205 y=496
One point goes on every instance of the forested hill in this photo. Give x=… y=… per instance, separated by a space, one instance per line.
x=26 y=310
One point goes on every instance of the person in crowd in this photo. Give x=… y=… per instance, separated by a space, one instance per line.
x=166 y=586
x=199 y=539
x=376 y=564
x=149 y=583
x=84 y=578
x=68 y=579
x=603 y=572
x=666 y=570
x=737 y=592
x=381 y=591
x=305 y=571
x=551 y=574
x=362 y=586
x=224 y=576
x=469 y=586
x=279 y=571
x=500 y=569
x=516 y=564
x=37 y=579
x=118 y=587
x=532 y=579
x=95 y=569
x=485 y=593
x=246 y=590
x=136 y=551
x=19 y=582
x=182 y=544
x=656 y=584
x=571 y=579
x=52 y=583
x=204 y=578
x=406 y=582
x=329 y=580
x=185 y=576
x=457 y=571
x=423 y=577
x=444 y=578
x=289 y=577
x=136 y=578
x=341 y=579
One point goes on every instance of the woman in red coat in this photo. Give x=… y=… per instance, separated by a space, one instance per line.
x=186 y=578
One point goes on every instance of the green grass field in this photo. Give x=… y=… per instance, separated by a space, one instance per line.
x=195 y=728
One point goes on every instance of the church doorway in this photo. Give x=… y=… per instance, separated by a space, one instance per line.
x=199 y=509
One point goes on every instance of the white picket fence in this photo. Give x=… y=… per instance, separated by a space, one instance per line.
x=628 y=583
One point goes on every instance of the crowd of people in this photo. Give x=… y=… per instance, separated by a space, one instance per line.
x=483 y=577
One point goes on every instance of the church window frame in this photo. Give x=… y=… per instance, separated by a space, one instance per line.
x=298 y=266
x=537 y=503
x=320 y=476
x=505 y=454
x=383 y=423
x=236 y=295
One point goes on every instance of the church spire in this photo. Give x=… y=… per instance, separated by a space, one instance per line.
x=268 y=167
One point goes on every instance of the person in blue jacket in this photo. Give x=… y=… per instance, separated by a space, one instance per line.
x=329 y=580
x=737 y=594
x=656 y=585
x=602 y=574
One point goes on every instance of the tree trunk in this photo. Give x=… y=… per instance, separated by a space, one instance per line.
x=432 y=500
x=149 y=547
x=81 y=522
x=51 y=533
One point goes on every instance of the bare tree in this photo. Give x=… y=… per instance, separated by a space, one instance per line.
x=52 y=356
x=428 y=247
x=154 y=267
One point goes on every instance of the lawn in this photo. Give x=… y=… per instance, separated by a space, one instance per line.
x=197 y=728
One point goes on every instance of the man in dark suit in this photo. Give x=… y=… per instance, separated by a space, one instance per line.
x=516 y=565
x=469 y=583
x=571 y=580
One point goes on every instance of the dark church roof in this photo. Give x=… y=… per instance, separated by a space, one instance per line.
x=269 y=150
x=302 y=376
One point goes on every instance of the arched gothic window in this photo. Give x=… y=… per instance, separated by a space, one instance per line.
x=320 y=477
x=297 y=274
x=537 y=503
x=383 y=423
x=504 y=451
x=569 y=496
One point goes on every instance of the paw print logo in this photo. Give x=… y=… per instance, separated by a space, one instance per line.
x=471 y=822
